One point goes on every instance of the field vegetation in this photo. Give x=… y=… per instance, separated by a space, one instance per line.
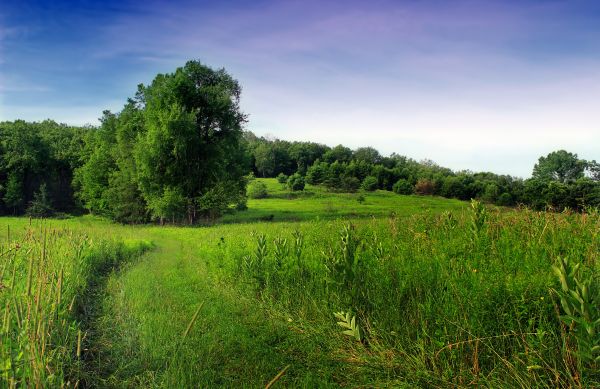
x=411 y=292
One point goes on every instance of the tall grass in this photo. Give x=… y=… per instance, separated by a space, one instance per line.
x=451 y=299
x=462 y=296
x=45 y=272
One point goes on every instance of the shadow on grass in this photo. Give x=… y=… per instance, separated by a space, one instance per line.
x=108 y=258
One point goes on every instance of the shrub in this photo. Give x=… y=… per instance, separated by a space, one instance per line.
x=257 y=190
x=505 y=199
x=424 y=187
x=282 y=178
x=403 y=187
x=317 y=173
x=40 y=206
x=349 y=184
x=369 y=183
x=295 y=182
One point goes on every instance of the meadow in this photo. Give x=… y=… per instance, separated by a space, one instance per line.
x=306 y=290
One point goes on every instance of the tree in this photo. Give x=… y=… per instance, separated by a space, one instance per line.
x=40 y=206
x=560 y=166
x=257 y=190
x=403 y=187
x=282 y=178
x=14 y=193
x=296 y=182
x=272 y=158
x=367 y=154
x=593 y=168
x=338 y=153
x=369 y=183
x=192 y=144
x=317 y=173
x=92 y=179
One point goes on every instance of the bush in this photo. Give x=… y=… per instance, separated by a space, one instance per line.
x=403 y=187
x=369 y=184
x=295 y=182
x=317 y=173
x=505 y=199
x=40 y=206
x=424 y=187
x=349 y=184
x=257 y=190
x=282 y=178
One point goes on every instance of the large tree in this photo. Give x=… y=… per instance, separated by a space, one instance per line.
x=559 y=166
x=191 y=146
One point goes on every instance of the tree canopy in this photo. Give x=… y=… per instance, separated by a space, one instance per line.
x=560 y=166
x=171 y=148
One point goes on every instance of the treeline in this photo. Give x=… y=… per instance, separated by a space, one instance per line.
x=560 y=180
x=37 y=162
x=177 y=152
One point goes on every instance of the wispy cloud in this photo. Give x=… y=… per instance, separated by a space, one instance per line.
x=464 y=82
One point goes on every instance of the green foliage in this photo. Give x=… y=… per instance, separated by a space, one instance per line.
x=560 y=166
x=580 y=300
x=221 y=198
x=341 y=170
x=36 y=153
x=255 y=264
x=45 y=284
x=14 y=193
x=296 y=182
x=430 y=306
x=338 y=154
x=282 y=178
x=271 y=159
x=40 y=206
x=192 y=138
x=257 y=190
x=505 y=199
x=169 y=205
x=367 y=154
x=343 y=266
x=479 y=216
x=349 y=323
x=348 y=184
x=369 y=184
x=175 y=151
x=317 y=173
x=403 y=187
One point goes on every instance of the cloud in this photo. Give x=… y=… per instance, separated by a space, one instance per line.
x=462 y=82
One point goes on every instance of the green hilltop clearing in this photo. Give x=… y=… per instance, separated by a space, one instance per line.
x=315 y=289
x=316 y=203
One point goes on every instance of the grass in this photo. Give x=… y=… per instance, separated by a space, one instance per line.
x=315 y=203
x=438 y=294
x=46 y=276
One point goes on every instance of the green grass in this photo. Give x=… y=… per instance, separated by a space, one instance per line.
x=441 y=300
x=315 y=203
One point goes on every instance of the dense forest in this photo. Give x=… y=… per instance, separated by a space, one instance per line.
x=177 y=152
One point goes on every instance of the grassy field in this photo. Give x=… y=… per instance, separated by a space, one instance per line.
x=315 y=203
x=428 y=292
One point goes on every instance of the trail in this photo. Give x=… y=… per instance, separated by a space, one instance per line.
x=146 y=307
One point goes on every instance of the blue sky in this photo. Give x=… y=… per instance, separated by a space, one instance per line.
x=480 y=85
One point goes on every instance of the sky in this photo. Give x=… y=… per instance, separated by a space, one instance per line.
x=478 y=85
